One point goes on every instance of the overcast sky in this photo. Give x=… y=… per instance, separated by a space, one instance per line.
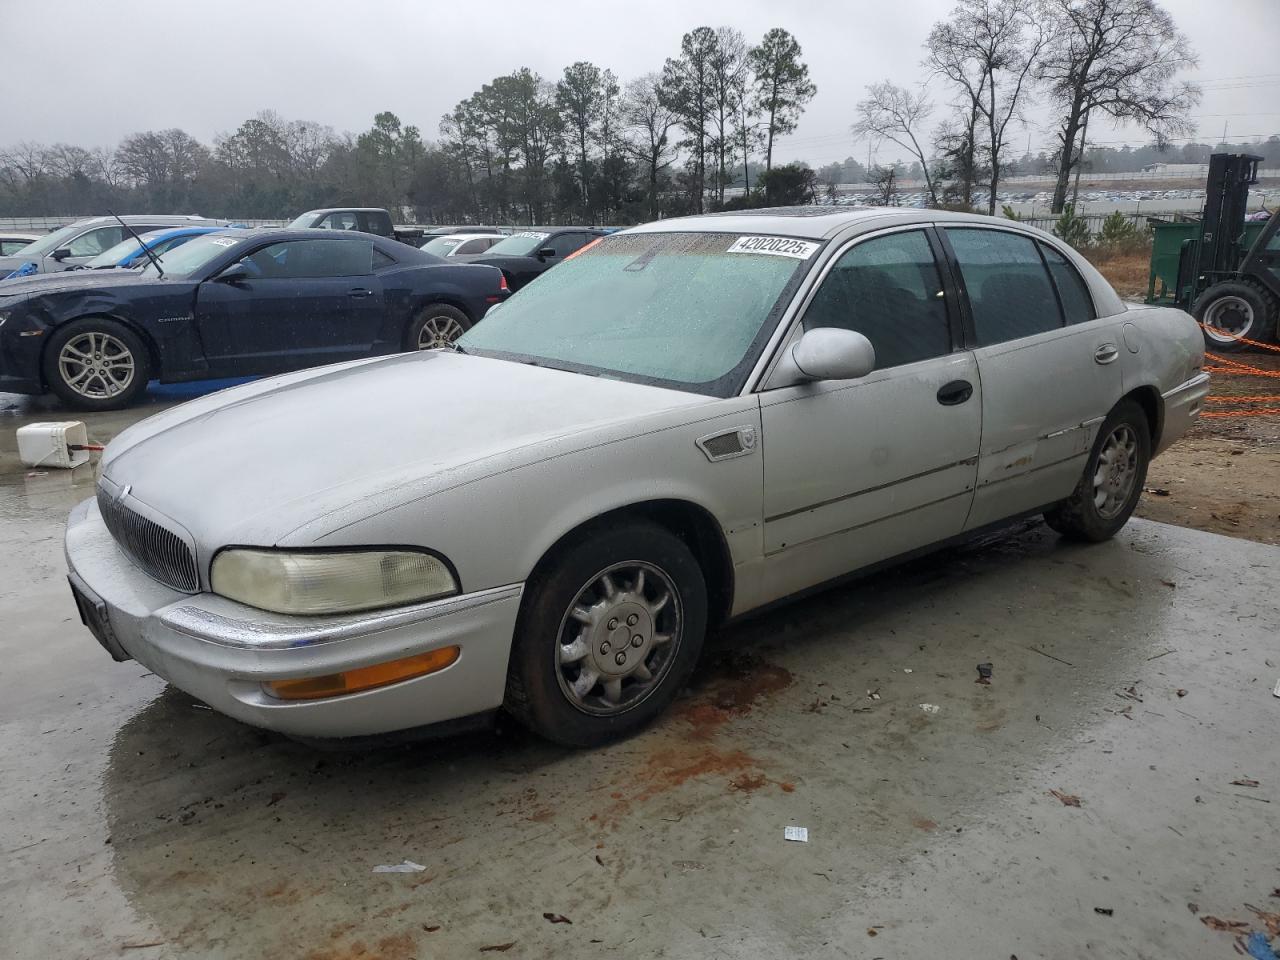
x=208 y=67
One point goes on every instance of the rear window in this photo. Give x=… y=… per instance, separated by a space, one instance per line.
x=1077 y=304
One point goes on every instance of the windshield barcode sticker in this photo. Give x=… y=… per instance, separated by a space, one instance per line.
x=532 y=233
x=775 y=246
x=225 y=241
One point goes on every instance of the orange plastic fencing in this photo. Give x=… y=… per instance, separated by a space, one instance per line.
x=1253 y=343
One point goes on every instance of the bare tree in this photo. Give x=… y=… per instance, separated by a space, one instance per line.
x=649 y=120
x=895 y=114
x=885 y=180
x=728 y=62
x=1120 y=58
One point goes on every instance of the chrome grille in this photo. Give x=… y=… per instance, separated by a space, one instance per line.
x=163 y=554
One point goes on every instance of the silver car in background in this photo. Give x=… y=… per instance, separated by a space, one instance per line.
x=688 y=420
x=78 y=243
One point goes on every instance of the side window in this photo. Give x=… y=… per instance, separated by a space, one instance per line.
x=339 y=221
x=566 y=243
x=96 y=241
x=377 y=222
x=303 y=259
x=1009 y=289
x=887 y=289
x=381 y=261
x=1077 y=304
x=472 y=246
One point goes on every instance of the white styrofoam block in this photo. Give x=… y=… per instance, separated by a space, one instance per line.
x=48 y=444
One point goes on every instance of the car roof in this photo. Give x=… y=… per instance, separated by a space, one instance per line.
x=344 y=210
x=816 y=222
x=11 y=235
x=393 y=248
x=463 y=237
x=160 y=219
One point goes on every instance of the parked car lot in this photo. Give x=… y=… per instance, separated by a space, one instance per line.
x=78 y=243
x=132 y=252
x=525 y=256
x=234 y=303
x=462 y=244
x=693 y=419
x=12 y=242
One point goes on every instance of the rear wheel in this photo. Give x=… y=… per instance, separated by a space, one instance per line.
x=96 y=364
x=1232 y=312
x=608 y=634
x=1111 y=485
x=436 y=325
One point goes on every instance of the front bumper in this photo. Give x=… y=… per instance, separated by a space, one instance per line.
x=1182 y=406
x=221 y=651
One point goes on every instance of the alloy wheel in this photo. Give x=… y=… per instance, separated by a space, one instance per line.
x=1115 y=472
x=440 y=331
x=96 y=365
x=619 y=638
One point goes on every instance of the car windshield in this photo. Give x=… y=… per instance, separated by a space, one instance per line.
x=520 y=244
x=46 y=245
x=302 y=220
x=125 y=248
x=182 y=261
x=441 y=246
x=689 y=311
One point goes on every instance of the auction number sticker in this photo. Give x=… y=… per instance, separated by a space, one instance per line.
x=775 y=246
x=534 y=234
x=225 y=241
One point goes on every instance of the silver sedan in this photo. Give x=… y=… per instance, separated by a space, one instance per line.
x=684 y=422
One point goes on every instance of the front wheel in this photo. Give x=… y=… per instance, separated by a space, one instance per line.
x=1233 y=312
x=608 y=634
x=1111 y=485
x=96 y=364
x=435 y=326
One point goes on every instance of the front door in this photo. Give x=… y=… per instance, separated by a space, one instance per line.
x=1049 y=366
x=857 y=471
x=305 y=302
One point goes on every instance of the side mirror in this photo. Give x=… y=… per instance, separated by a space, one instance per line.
x=61 y=253
x=546 y=253
x=233 y=273
x=825 y=353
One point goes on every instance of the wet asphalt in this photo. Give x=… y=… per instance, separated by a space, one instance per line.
x=1133 y=678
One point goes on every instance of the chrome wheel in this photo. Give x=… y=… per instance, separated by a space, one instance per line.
x=1228 y=319
x=619 y=638
x=439 y=331
x=1115 y=472
x=97 y=366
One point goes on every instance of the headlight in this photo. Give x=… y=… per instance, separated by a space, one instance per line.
x=308 y=583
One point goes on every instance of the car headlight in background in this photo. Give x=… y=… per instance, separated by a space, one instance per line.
x=313 y=583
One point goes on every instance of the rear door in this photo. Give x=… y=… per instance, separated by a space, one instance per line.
x=857 y=471
x=306 y=301
x=1047 y=363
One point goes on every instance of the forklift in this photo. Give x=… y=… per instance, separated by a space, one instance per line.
x=1223 y=270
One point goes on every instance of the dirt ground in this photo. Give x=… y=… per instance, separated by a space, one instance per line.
x=1224 y=476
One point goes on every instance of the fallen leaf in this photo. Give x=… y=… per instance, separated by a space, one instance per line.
x=498 y=947
x=431 y=929
x=1181 y=692
x=556 y=918
x=1157 y=491
x=1244 y=782
x=1130 y=693
x=1270 y=920
x=1170 y=584
x=1068 y=799
x=1104 y=911
x=872 y=932
x=1226 y=926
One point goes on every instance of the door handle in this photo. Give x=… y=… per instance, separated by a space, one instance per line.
x=1106 y=353
x=957 y=391
x=358 y=292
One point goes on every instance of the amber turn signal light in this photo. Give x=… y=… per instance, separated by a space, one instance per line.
x=362 y=678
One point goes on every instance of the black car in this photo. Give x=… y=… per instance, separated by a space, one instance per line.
x=527 y=255
x=234 y=303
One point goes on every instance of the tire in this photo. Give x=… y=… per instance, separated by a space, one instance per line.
x=435 y=325
x=96 y=364
x=1111 y=485
x=1240 y=310
x=616 y=639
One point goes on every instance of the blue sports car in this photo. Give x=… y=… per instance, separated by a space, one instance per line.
x=233 y=303
x=128 y=253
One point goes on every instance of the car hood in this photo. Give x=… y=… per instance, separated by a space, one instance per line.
x=254 y=463
x=70 y=280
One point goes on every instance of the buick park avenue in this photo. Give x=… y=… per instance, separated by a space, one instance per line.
x=684 y=422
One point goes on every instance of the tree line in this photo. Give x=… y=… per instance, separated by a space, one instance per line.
x=700 y=133
x=582 y=148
